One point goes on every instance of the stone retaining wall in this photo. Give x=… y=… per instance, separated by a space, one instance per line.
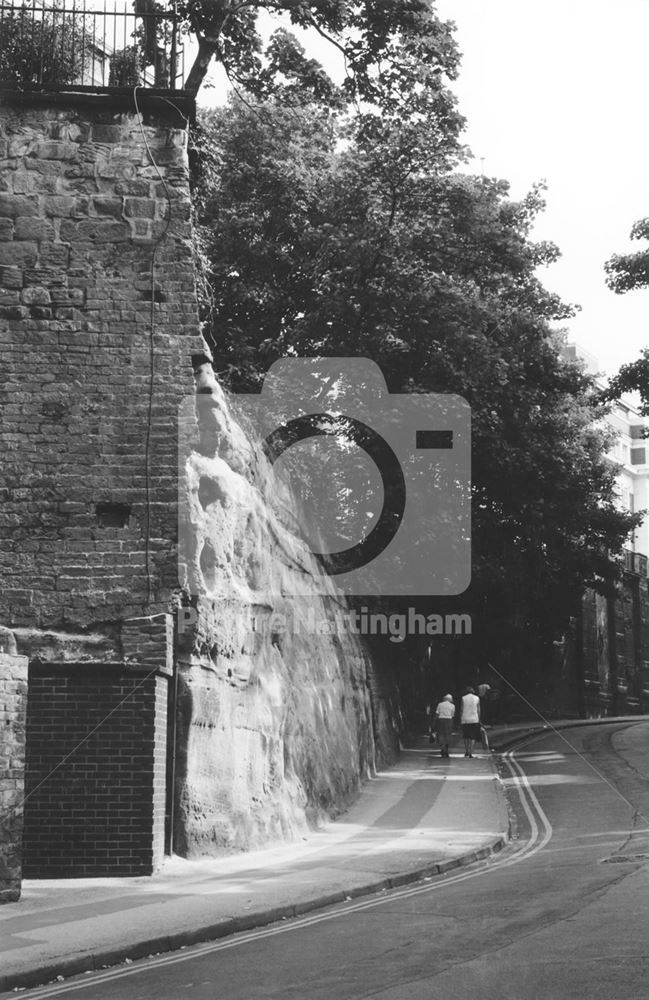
x=98 y=324
x=100 y=330
x=13 y=705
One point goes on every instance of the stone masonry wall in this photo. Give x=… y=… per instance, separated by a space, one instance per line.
x=98 y=324
x=99 y=330
x=13 y=704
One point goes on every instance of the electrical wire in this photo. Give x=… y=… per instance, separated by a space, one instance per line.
x=16 y=808
x=147 y=444
x=574 y=749
x=147 y=450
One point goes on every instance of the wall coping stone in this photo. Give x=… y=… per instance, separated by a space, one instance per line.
x=177 y=104
x=126 y=666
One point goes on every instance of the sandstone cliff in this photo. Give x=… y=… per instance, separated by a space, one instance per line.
x=275 y=710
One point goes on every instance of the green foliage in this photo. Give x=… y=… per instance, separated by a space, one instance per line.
x=633 y=377
x=395 y=52
x=125 y=67
x=625 y=273
x=322 y=237
x=44 y=47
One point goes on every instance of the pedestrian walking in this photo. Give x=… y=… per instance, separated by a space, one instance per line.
x=484 y=694
x=444 y=715
x=470 y=720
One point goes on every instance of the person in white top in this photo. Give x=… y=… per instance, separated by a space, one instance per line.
x=470 y=719
x=444 y=715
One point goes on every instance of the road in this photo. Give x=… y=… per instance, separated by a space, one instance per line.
x=561 y=914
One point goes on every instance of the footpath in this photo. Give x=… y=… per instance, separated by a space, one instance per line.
x=418 y=819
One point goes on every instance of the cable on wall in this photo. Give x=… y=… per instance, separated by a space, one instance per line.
x=147 y=445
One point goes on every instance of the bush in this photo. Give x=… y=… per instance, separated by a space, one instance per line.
x=126 y=68
x=43 y=47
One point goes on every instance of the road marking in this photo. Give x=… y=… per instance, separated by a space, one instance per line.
x=522 y=785
x=540 y=833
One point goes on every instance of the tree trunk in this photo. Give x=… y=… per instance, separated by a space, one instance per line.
x=198 y=72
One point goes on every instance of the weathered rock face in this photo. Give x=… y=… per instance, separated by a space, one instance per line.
x=275 y=713
x=13 y=698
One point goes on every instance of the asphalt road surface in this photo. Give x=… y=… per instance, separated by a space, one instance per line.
x=561 y=914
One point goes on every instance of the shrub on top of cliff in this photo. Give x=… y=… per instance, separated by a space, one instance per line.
x=43 y=47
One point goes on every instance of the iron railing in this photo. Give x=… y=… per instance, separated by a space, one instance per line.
x=90 y=45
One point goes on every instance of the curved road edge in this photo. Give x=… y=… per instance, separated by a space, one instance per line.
x=98 y=958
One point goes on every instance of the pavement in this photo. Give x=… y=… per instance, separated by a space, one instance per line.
x=418 y=819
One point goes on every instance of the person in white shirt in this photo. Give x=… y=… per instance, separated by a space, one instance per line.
x=444 y=715
x=470 y=720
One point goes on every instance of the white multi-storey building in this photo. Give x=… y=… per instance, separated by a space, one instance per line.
x=630 y=451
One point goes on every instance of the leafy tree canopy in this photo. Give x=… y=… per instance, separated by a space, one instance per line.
x=318 y=241
x=392 y=50
x=625 y=273
x=633 y=377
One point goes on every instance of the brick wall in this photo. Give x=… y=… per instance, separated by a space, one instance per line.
x=98 y=324
x=159 y=771
x=13 y=702
x=149 y=642
x=95 y=771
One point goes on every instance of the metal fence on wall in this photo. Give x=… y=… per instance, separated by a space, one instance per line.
x=82 y=44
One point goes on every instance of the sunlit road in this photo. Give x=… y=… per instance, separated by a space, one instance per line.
x=563 y=913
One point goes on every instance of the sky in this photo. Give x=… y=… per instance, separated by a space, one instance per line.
x=557 y=91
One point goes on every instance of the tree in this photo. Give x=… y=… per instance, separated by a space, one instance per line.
x=633 y=377
x=374 y=247
x=625 y=273
x=380 y=43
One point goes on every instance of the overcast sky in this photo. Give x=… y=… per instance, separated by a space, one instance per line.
x=558 y=91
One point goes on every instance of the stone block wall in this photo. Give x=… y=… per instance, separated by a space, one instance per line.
x=98 y=324
x=95 y=771
x=13 y=706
